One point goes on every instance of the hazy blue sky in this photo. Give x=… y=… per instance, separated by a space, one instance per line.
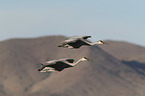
x=102 y=19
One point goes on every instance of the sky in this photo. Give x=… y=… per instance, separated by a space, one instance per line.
x=122 y=20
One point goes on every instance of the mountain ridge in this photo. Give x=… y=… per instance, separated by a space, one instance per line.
x=125 y=50
x=103 y=75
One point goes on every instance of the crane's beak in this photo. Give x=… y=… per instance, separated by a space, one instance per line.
x=90 y=60
x=106 y=43
x=86 y=58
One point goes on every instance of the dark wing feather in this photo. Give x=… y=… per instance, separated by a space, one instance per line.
x=70 y=60
x=78 y=43
x=59 y=66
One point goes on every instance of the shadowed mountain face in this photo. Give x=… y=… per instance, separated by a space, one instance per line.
x=103 y=75
x=139 y=67
x=125 y=51
x=130 y=54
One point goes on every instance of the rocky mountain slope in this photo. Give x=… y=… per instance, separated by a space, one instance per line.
x=104 y=75
x=125 y=50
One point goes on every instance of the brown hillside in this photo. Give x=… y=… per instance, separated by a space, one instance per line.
x=125 y=51
x=102 y=76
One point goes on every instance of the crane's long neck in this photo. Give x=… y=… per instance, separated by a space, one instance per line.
x=92 y=43
x=74 y=64
x=95 y=43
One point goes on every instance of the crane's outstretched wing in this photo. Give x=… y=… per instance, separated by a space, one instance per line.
x=47 y=63
x=58 y=65
x=66 y=42
x=81 y=37
x=86 y=37
x=55 y=61
x=73 y=40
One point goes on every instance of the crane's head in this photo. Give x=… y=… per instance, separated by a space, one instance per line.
x=84 y=59
x=101 y=42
